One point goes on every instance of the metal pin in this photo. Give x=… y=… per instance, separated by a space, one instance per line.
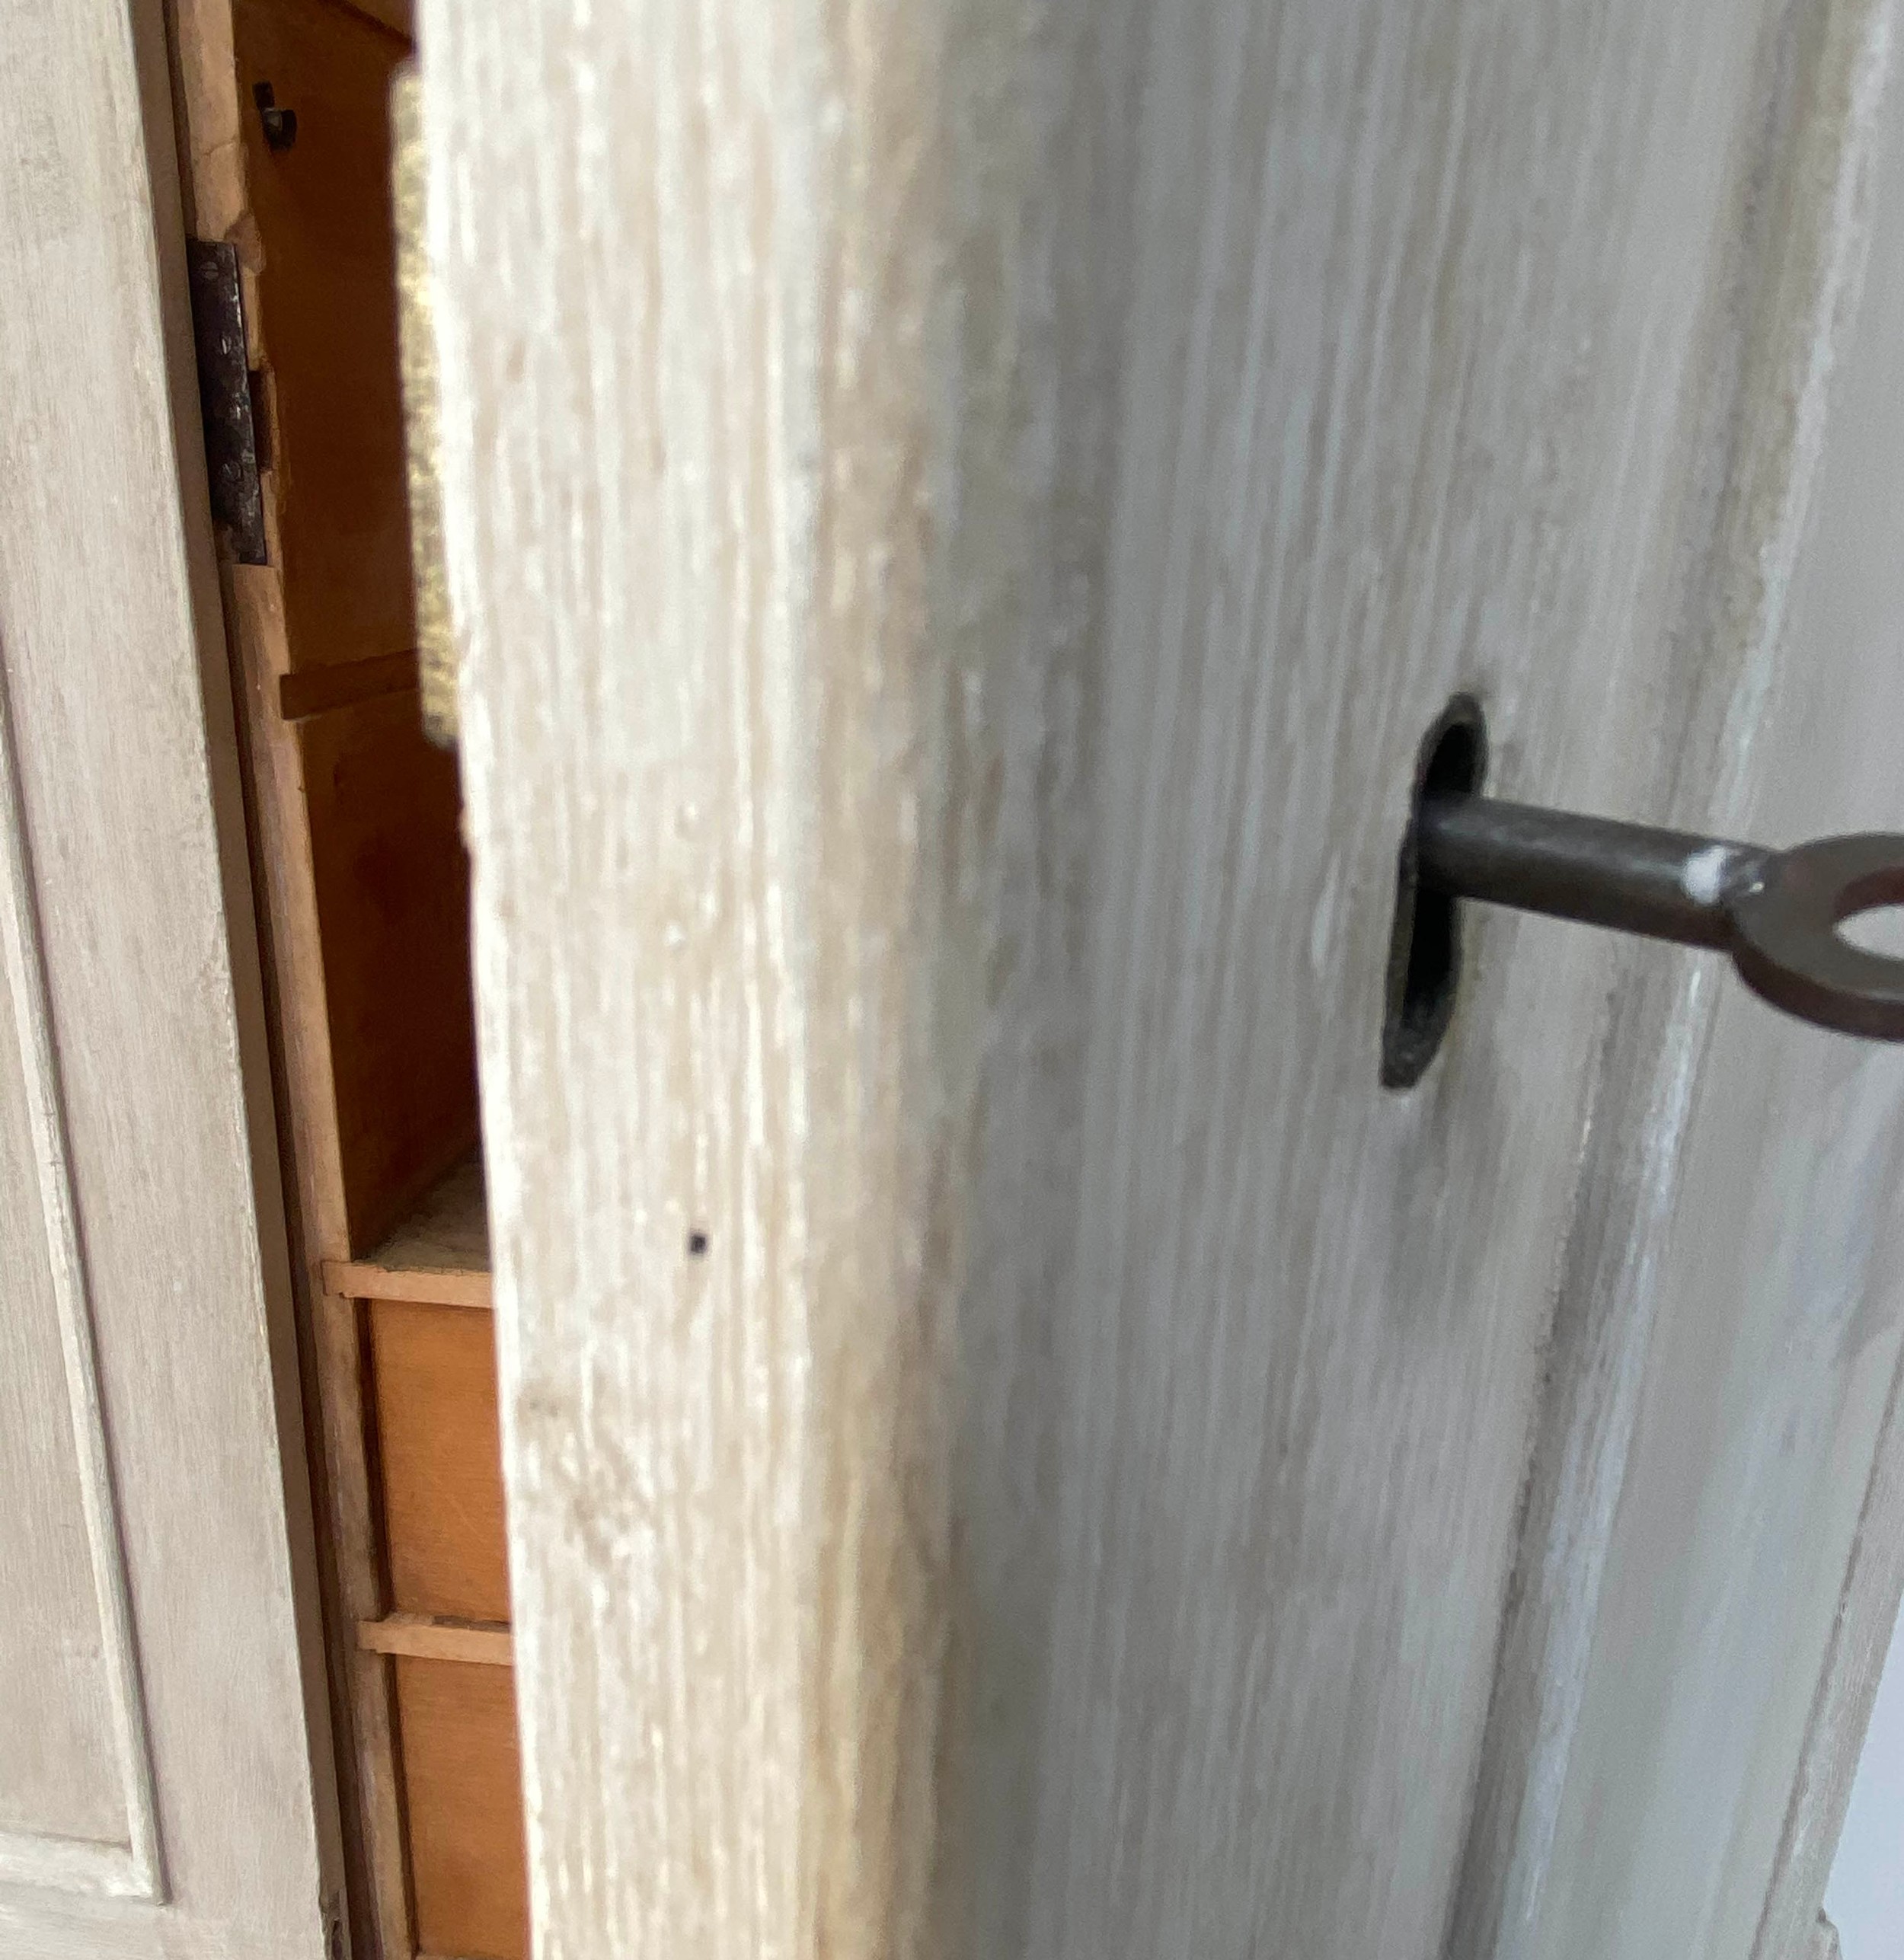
x=1777 y=912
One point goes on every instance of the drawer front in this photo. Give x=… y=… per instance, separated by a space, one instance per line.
x=462 y=1797
x=439 y=1448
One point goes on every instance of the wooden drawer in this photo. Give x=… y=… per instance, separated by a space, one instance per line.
x=440 y=1449
x=462 y=1798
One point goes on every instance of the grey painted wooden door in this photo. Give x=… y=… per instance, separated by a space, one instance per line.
x=159 y=1787
x=959 y=515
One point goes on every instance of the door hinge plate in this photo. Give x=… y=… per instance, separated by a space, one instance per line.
x=225 y=397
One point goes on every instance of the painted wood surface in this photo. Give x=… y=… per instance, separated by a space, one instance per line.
x=1842 y=1322
x=1731 y=1300
x=958 y=517
x=79 y=1792
x=164 y=1787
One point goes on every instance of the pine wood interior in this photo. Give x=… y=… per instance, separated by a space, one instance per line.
x=392 y=888
x=362 y=888
x=435 y=1370
x=461 y=1771
x=329 y=320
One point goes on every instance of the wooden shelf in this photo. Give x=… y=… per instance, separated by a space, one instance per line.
x=424 y=1636
x=439 y=1255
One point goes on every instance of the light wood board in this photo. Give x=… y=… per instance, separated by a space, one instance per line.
x=1847 y=604
x=439 y=1253
x=433 y=1637
x=438 y=1453
x=460 y=1779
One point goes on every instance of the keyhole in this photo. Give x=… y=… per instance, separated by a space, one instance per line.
x=1424 y=946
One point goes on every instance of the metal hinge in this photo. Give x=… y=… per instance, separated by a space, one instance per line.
x=225 y=385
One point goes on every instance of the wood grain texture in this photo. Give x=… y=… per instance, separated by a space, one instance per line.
x=439 y=1451
x=1817 y=1519
x=362 y=870
x=318 y=690
x=332 y=1341
x=115 y=1849
x=204 y=63
x=321 y=246
x=760 y=866
x=130 y=869
x=958 y=518
x=1847 y=1681
x=460 y=1781
x=432 y=1637
x=1725 y=1334
x=354 y=885
x=439 y=1253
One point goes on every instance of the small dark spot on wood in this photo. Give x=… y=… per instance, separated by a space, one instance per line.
x=697 y=1242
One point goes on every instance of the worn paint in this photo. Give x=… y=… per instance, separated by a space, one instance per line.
x=961 y=516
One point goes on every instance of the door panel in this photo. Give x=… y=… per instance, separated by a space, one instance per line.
x=77 y=1806
x=165 y=1785
x=1016 y=1444
x=1733 y=1465
x=60 y=1778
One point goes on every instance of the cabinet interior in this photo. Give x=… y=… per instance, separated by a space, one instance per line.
x=361 y=885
